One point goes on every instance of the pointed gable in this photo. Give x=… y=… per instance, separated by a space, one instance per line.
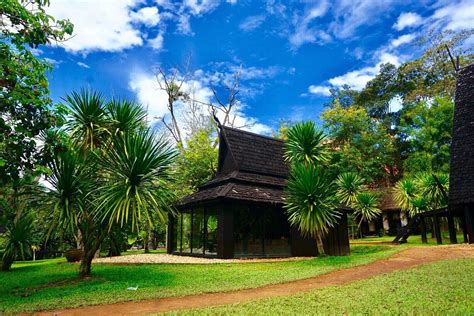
x=249 y=152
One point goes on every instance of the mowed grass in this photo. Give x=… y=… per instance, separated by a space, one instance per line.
x=441 y=288
x=413 y=240
x=53 y=284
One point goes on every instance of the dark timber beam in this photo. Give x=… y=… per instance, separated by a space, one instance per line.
x=469 y=222
x=439 y=239
x=424 y=239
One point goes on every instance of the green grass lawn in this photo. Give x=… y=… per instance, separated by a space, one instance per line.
x=414 y=240
x=50 y=284
x=441 y=288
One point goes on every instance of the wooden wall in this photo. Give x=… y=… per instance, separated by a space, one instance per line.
x=336 y=242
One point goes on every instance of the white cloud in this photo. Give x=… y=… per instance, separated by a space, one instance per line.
x=303 y=31
x=407 y=19
x=456 y=16
x=198 y=7
x=52 y=61
x=321 y=90
x=184 y=24
x=98 y=25
x=395 y=104
x=157 y=42
x=251 y=23
x=36 y=51
x=351 y=14
x=83 y=65
x=231 y=1
x=148 y=16
x=401 y=40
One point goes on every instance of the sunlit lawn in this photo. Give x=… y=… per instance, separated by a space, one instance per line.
x=414 y=240
x=441 y=288
x=50 y=284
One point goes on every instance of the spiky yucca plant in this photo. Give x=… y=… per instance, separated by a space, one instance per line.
x=434 y=187
x=349 y=185
x=18 y=239
x=87 y=122
x=404 y=193
x=366 y=207
x=310 y=202
x=135 y=171
x=124 y=116
x=305 y=144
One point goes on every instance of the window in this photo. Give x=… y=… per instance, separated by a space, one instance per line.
x=186 y=232
x=211 y=232
x=248 y=232
x=198 y=232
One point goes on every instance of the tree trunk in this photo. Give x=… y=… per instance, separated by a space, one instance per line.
x=320 y=245
x=147 y=238
x=7 y=263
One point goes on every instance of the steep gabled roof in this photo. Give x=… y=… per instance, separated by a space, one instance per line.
x=256 y=153
x=251 y=168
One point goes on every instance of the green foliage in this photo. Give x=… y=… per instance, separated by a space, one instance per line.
x=306 y=145
x=427 y=128
x=25 y=107
x=18 y=241
x=366 y=207
x=135 y=171
x=349 y=185
x=360 y=143
x=124 y=116
x=88 y=118
x=422 y=193
x=310 y=202
x=197 y=162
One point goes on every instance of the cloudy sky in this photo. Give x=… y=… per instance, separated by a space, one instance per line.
x=289 y=53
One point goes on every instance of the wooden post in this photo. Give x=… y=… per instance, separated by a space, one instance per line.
x=439 y=239
x=424 y=239
x=469 y=218
x=464 y=228
x=452 y=229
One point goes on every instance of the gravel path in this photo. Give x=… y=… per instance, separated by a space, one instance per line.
x=165 y=258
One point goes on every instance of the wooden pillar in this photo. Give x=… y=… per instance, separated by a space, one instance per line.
x=463 y=227
x=403 y=218
x=439 y=239
x=169 y=234
x=469 y=220
x=225 y=234
x=424 y=239
x=452 y=229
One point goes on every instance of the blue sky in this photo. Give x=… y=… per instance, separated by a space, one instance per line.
x=288 y=53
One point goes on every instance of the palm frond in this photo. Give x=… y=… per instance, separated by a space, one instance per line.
x=309 y=200
x=136 y=172
x=18 y=238
x=349 y=185
x=432 y=187
x=366 y=206
x=87 y=124
x=124 y=116
x=404 y=193
x=305 y=144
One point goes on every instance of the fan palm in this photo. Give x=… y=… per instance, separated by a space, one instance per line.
x=18 y=241
x=349 y=185
x=305 y=144
x=419 y=205
x=366 y=207
x=124 y=116
x=136 y=172
x=87 y=118
x=310 y=202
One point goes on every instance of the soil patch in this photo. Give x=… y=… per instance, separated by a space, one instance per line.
x=409 y=258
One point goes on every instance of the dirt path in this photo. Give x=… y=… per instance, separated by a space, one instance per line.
x=412 y=257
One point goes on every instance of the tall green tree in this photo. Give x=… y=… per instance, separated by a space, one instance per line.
x=25 y=102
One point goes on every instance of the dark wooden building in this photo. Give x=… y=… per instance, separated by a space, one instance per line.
x=239 y=213
x=461 y=188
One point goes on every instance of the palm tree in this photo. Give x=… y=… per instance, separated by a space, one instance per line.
x=349 y=185
x=87 y=122
x=18 y=239
x=306 y=145
x=136 y=171
x=310 y=202
x=434 y=188
x=405 y=193
x=366 y=207
x=124 y=116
